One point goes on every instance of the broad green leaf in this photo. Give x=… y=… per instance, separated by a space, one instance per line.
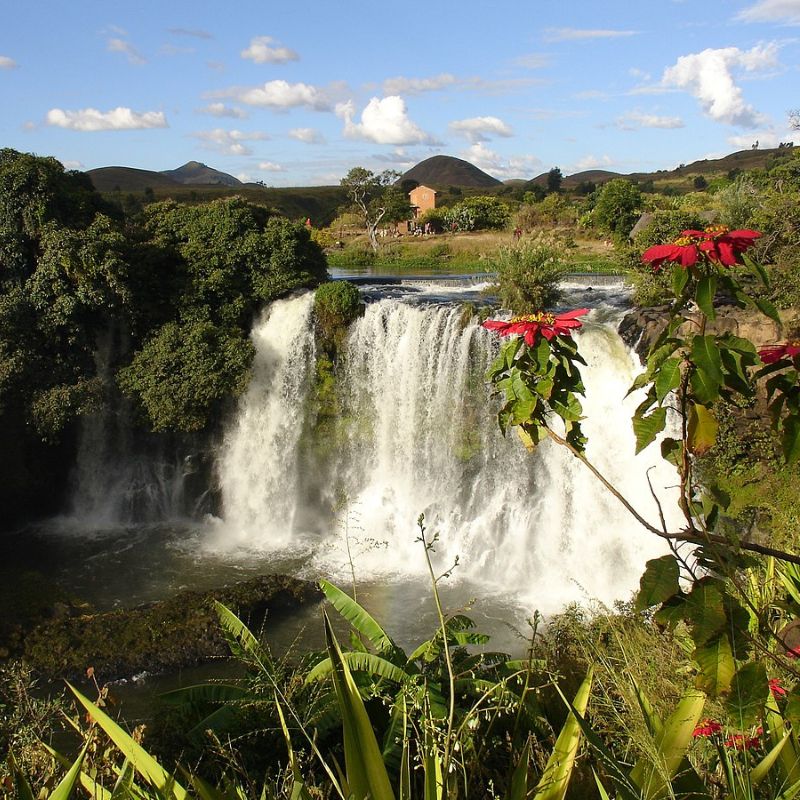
x=760 y=771
x=672 y=450
x=204 y=693
x=702 y=429
x=680 y=277
x=658 y=583
x=519 y=777
x=558 y=770
x=530 y=436
x=704 y=387
x=705 y=293
x=705 y=611
x=668 y=378
x=433 y=787
x=749 y=692
x=790 y=439
x=769 y=310
x=646 y=428
x=142 y=761
x=717 y=666
x=241 y=640
x=357 y=616
x=706 y=357
x=671 y=744
x=361 y=662
x=366 y=772
x=790 y=754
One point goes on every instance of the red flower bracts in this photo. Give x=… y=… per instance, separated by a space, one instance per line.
x=717 y=245
x=542 y=322
x=708 y=727
x=772 y=353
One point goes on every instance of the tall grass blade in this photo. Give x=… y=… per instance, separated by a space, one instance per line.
x=142 y=761
x=432 y=769
x=519 y=778
x=555 y=778
x=366 y=772
x=71 y=779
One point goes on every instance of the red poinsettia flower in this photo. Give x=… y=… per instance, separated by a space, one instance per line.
x=739 y=741
x=777 y=352
x=542 y=322
x=776 y=688
x=716 y=244
x=708 y=727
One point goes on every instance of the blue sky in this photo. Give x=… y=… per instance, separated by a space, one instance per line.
x=295 y=94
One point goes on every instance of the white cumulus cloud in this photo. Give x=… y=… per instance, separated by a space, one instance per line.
x=265 y=50
x=400 y=85
x=502 y=168
x=72 y=164
x=785 y=11
x=709 y=76
x=118 y=119
x=636 y=119
x=384 y=121
x=7 y=63
x=307 y=135
x=590 y=162
x=127 y=49
x=230 y=143
x=278 y=94
x=480 y=129
x=271 y=166
x=221 y=110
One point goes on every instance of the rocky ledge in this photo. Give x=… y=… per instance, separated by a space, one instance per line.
x=642 y=326
x=157 y=637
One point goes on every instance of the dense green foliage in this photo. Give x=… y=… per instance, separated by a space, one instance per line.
x=167 y=294
x=478 y=213
x=617 y=207
x=528 y=275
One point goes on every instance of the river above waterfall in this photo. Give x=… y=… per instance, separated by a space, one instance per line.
x=415 y=434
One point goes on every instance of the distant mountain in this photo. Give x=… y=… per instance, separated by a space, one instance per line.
x=194 y=172
x=439 y=172
x=127 y=179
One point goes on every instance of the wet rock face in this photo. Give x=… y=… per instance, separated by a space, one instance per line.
x=642 y=326
x=157 y=637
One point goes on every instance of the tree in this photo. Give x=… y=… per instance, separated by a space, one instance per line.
x=618 y=206
x=371 y=194
x=554 y=179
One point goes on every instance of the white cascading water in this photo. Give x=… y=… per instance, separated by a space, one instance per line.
x=259 y=467
x=423 y=438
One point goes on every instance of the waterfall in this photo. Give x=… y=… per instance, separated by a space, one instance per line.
x=418 y=435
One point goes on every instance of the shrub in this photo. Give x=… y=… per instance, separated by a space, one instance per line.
x=336 y=305
x=528 y=274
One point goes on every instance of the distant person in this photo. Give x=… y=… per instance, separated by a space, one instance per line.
x=517 y=233
x=308 y=222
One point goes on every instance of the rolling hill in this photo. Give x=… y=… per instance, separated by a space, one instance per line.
x=439 y=172
x=197 y=173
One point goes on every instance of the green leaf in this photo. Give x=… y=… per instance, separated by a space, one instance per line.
x=761 y=770
x=366 y=772
x=241 y=640
x=706 y=357
x=704 y=386
x=646 y=428
x=749 y=692
x=705 y=611
x=717 y=666
x=68 y=782
x=555 y=778
x=668 y=378
x=705 y=293
x=672 y=451
x=357 y=616
x=658 y=583
x=518 y=790
x=142 y=761
x=680 y=277
x=769 y=310
x=702 y=429
x=671 y=744
x=790 y=439
x=361 y=662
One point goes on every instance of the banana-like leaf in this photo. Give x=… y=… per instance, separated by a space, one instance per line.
x=432 y=768
x=204 y=693
x=366 y=772
x=241 y=640
x=790 y=754
x=70 y=780
x=555 y=778
x=142 y=761
x=653 y=777
x=357 y=616
x=760 y=770
x=361 y=662
x=519 y=778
